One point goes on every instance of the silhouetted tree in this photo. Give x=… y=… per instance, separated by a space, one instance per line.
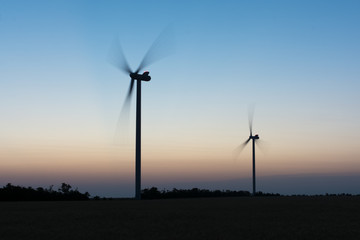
x=65 y=188
x=18 y=193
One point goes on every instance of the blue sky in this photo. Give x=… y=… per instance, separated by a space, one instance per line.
x=60 y=98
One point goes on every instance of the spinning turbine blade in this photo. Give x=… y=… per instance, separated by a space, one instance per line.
x=128 y=96
x=240 y=148
x=126 y=106
x=263 y=146
x=117 y=57
x=122 y=127
x=251 y=117
x=157 y=50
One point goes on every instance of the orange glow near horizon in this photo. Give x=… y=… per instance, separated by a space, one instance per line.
x=186 y=163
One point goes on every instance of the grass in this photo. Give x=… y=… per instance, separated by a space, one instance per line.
x=207 y=218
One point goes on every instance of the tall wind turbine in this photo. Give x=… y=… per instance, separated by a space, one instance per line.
x=254 y=140
x=120 y=62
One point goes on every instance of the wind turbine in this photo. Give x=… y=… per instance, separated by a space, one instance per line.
x=254 y=139
x=120 y=62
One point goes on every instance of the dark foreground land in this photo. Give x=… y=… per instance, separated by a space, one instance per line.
x=207 y=218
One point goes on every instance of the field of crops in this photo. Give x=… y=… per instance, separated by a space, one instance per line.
x=206 y=218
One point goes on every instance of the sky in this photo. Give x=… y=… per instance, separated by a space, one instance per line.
x=297 y=61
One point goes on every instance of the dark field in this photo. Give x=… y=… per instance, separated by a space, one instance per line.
x=212 y=218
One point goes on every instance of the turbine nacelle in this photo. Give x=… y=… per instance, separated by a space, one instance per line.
x=142 y=77
x=254 y=137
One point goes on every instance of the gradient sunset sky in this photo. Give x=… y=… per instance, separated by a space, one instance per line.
x=298 y=61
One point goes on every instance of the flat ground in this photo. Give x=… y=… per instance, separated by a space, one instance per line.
x=208 y=218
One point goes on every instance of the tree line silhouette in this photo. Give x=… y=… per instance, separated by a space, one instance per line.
x=66 y=193
x=19 y=193
x=154 y=193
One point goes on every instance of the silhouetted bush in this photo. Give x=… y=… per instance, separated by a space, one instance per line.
x=154 y=193
x=18 y=193
x=261 y=194
x=96 y=198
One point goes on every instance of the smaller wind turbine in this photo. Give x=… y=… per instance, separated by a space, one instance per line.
x=254 y=139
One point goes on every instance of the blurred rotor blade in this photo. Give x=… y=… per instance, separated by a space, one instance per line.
x=127 y=101
x=117 y=57
x=251 y=110
x=162 y=47
x=263 y=146
x=240 y=148
x=128 y=96
x=122 y=127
